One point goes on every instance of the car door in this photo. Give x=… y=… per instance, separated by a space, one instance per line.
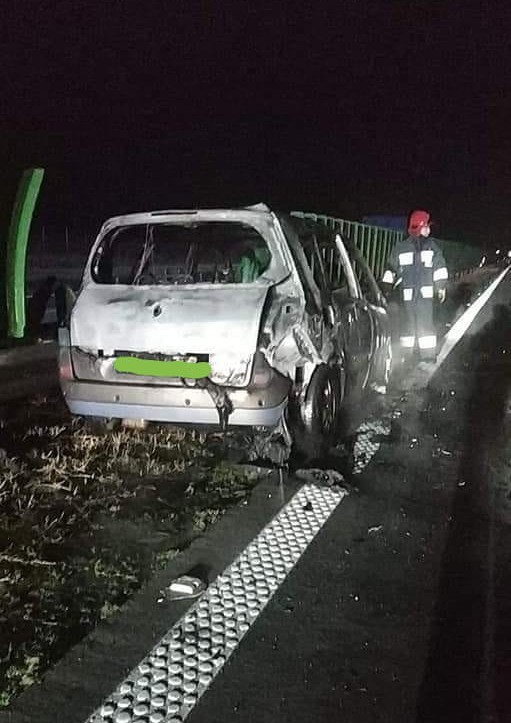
x=311 y=244
x=344 y=297
x=338 y=296
x=376 y=304
x=359 y=321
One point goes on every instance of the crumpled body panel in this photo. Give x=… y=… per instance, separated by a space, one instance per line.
x=222 y=323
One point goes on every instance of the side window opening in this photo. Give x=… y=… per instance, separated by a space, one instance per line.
x=334 y=267
x=337 y=269
x=294 y=231
x=349 y=287
x=367 y=283
x=314 y=260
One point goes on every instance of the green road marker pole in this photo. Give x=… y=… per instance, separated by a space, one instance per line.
x=17 y=240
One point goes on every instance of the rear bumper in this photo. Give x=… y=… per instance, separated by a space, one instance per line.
x=177 y=405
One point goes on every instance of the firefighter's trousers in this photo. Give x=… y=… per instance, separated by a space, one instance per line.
x=417 y=327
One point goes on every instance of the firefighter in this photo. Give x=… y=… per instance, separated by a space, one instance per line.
x=416 y=267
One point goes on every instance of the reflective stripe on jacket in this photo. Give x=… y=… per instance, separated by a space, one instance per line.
x=418 y=265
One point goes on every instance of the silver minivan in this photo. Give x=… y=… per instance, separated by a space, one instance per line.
x=271 y=326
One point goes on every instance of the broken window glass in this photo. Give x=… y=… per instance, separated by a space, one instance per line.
x=154 y=254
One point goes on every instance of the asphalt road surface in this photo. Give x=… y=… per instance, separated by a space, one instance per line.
x=384 y=600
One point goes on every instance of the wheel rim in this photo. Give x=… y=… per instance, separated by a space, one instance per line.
x=328 y=409
x=320 y=411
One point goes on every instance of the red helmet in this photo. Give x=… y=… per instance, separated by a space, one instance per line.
x=417 y=221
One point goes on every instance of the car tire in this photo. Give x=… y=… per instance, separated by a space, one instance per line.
x=315 y=423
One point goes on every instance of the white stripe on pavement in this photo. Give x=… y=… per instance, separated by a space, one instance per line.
x=167 y=684
x=460 y=327
x=421 y=376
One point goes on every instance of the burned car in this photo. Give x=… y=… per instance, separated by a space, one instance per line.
x=283 y=312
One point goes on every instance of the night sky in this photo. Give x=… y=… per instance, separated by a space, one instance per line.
x=349 y=108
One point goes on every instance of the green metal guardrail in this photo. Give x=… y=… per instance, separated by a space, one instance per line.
x=460 y=257
x=376 y=243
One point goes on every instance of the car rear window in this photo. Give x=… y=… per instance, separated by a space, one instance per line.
x=155 y=254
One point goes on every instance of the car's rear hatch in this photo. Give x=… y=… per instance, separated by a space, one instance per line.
x=208 y=322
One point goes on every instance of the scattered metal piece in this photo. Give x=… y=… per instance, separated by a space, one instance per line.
x=376 y=528
x=368 y=439
x=252 y=471
x=380 y=389
x=185 y=587
x=321 y=477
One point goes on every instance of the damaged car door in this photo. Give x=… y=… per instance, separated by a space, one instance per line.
x=346 y=298
x=379 y=347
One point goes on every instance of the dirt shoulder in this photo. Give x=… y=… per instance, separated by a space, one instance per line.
x=87 y=519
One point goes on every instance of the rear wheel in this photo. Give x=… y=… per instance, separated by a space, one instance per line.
x=316 y=423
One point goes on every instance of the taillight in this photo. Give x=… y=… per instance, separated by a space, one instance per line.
x=65 y=365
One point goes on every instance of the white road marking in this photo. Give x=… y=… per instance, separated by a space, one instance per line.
x=462 y=324
x=167 y=684
x=421 y=376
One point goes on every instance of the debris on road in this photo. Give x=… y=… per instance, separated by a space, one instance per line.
x=184 y=587
x=376 y=528
x=369 y=436
x=323 y=477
